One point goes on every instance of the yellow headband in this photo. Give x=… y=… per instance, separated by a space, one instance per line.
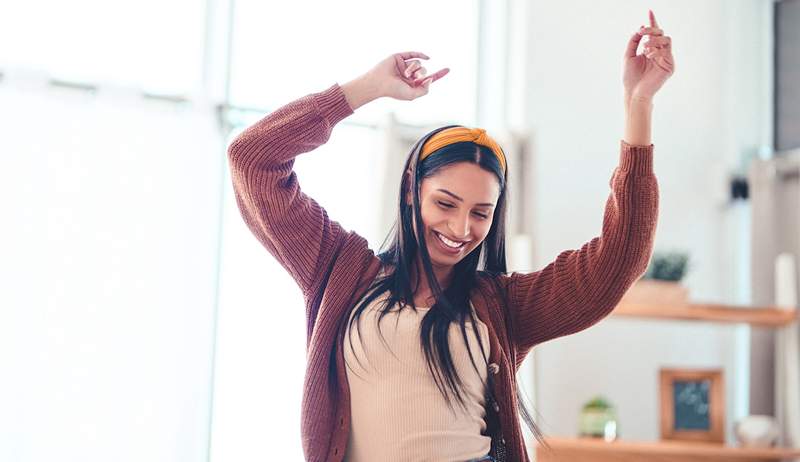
x=457 y=134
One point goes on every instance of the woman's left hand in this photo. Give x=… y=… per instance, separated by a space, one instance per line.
x=645 y=73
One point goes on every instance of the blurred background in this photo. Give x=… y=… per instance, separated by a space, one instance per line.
x=141 y=320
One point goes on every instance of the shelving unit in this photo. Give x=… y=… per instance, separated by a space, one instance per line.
x=756 y=316
x=597 y=450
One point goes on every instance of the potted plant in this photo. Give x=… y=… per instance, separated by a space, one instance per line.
x=661 y=282
x=598 y=419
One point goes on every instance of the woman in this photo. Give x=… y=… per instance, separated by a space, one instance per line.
x=437 y=382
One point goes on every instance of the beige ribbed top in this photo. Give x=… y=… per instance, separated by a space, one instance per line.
x=398 y=413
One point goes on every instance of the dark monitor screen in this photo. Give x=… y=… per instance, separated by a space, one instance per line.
x=787 y=74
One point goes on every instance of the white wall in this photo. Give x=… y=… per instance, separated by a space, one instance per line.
x=714 y=111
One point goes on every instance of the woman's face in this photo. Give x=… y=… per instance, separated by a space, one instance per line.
x=457 y=206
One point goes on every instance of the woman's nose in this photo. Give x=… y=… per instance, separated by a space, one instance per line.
x=460 y=227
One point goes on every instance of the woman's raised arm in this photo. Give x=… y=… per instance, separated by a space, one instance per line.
x=580 y=287
x=292 y=226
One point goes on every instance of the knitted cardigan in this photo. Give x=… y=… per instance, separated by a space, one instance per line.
x=333 y=267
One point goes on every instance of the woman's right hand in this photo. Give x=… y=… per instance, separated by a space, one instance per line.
x=401 y=76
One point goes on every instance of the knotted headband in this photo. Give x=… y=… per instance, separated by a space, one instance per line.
x=458 y=134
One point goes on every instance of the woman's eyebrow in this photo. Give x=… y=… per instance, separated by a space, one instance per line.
x=482 y=204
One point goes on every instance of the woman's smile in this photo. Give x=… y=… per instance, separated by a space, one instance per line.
x=448 y=245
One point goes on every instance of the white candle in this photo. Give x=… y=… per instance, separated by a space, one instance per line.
x=785 y=282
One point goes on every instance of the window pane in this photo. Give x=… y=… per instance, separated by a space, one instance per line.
x=148 y=43
x=281 y=53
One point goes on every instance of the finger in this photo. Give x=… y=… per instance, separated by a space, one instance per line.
x=659 y=42
x=412 y=54
x=399 y=64
x=422 y=89
x=410 y=68
x=426 y=85
x=653 y=22
x=651 y=31
x=653 y=54
x=433 y=77
x=633 y=45
x=649 y=49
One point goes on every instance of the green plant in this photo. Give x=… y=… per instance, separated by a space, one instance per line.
x=668 y=266
x=598 y=402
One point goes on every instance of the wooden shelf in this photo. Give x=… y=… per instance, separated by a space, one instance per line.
x=758 y=316
x=597 y=450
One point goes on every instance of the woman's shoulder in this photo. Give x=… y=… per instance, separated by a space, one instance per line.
x=492 y=285
x=493 y=278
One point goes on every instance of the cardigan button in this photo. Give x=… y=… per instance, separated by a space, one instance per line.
x=496 y=406
x=494 y=368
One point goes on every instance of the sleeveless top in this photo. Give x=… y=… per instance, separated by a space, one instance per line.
x=397 y=412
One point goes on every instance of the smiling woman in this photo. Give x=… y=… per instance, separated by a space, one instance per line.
x=459 y=193
x=446 y=389
x=454 y=185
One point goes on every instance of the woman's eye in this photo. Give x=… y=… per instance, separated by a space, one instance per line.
x=482 y=216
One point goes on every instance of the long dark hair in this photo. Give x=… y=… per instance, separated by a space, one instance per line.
x=402 y=246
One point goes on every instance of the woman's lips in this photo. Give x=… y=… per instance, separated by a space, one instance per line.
x=446 y=248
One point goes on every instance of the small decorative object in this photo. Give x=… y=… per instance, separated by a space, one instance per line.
x=661 y=282
x=598 y=419
x=692 y=405
x=757 y=431
x=668 y=266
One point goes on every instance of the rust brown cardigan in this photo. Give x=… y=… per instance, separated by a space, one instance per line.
x=333 y=267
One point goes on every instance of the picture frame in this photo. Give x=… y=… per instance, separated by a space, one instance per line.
x=692 y=405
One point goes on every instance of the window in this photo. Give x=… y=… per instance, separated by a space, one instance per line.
x=281 y=54
x=157 y=46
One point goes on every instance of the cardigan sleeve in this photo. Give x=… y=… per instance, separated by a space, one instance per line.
x=581 y=287
x=292 y=226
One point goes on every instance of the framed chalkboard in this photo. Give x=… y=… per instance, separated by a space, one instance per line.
x=692 y=405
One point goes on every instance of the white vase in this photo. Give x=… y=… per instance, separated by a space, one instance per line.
x=756 y=431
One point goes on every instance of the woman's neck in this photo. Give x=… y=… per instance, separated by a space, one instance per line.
x=444 y=275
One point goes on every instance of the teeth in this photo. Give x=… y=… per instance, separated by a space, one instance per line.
x=450 y=243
